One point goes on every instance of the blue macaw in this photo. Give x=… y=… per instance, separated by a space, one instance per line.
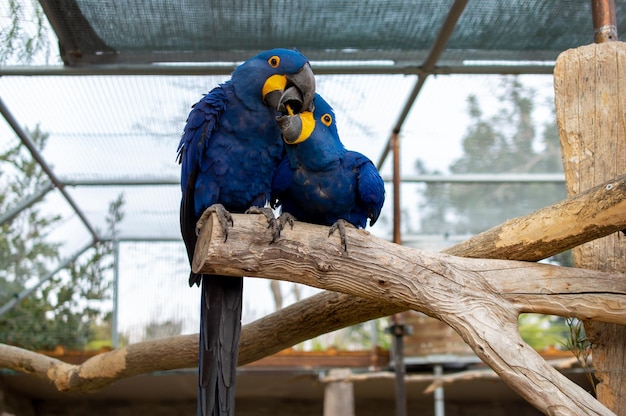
x=229 y=151
x=319 y=181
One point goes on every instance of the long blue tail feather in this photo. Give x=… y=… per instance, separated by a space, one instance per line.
x=220 y=331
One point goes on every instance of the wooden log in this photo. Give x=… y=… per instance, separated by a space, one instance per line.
x=436 y=381
x=102 y=369
x=470 y=375
x=585 y=216
x=543 y=233
x=590 y=96
x=329 y=311
x=481 y=299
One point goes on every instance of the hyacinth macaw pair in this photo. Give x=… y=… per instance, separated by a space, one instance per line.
x=234 y=158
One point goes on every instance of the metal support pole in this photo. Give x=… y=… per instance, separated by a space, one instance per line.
x=429 y=65
x=398 y=331
x=604 y=20
x=26 y=202
x=374 y=339
x=557 y=178
x=25 y=293
x=545 y=68
x=30 y=145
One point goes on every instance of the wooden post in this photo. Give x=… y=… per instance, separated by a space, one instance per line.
x=590 y=96
x=339 y=395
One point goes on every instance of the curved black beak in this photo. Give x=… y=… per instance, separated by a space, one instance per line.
x=297 y=91
x=291 y=102
x=290 y=127
x=296 y=128
x=304 y=82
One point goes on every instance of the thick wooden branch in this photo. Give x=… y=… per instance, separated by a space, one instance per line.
x=590 y=103
x=596 y=213
x=102 y=369
x=259 y=339
x=481 y=299
x=306 y=252
x=541 y=234
x=329 y=311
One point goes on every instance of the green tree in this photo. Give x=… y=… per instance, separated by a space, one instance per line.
x=63 y=311
x=23 y=32
x=544 y=331
x=506 y=142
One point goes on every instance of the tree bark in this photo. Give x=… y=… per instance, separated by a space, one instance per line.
x=481 y=299
x=103 y=369
x=590 y=95
x=328 y=311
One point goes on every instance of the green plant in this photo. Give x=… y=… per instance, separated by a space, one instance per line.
x=580 y=346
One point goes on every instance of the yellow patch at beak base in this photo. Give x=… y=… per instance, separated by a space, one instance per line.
x=274 y=83
x=308 y=125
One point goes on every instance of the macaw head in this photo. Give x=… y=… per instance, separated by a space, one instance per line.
x=312 y=134
x=278 y=77
x=298 y=127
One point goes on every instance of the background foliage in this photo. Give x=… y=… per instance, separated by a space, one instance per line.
x=67 y=308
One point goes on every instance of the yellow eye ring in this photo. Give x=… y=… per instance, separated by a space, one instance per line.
x=274 y=61
x=327 y=119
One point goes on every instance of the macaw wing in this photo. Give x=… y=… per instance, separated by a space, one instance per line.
x=370 y=186
x=200 y=125
x=187 y=216
x=202 y=121
x=282 y=180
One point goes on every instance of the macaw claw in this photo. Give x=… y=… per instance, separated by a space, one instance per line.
x=279 y=224
x=276 y=224
x=224 y=217
x=269 y=214
x=341 y=226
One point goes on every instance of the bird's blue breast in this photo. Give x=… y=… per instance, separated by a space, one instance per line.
x=239 y=166
x=323 y=197
x=235 y=151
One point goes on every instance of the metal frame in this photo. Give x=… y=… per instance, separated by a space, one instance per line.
x=452 y=178
x=503 y=68
x=30 y=145
x=26 y=292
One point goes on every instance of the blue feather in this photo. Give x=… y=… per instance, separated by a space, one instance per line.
x=319 y=181
x=229 y=151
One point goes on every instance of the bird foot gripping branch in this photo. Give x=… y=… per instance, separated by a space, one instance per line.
x=340 y=225
x=273 y=223
x=222 y=214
